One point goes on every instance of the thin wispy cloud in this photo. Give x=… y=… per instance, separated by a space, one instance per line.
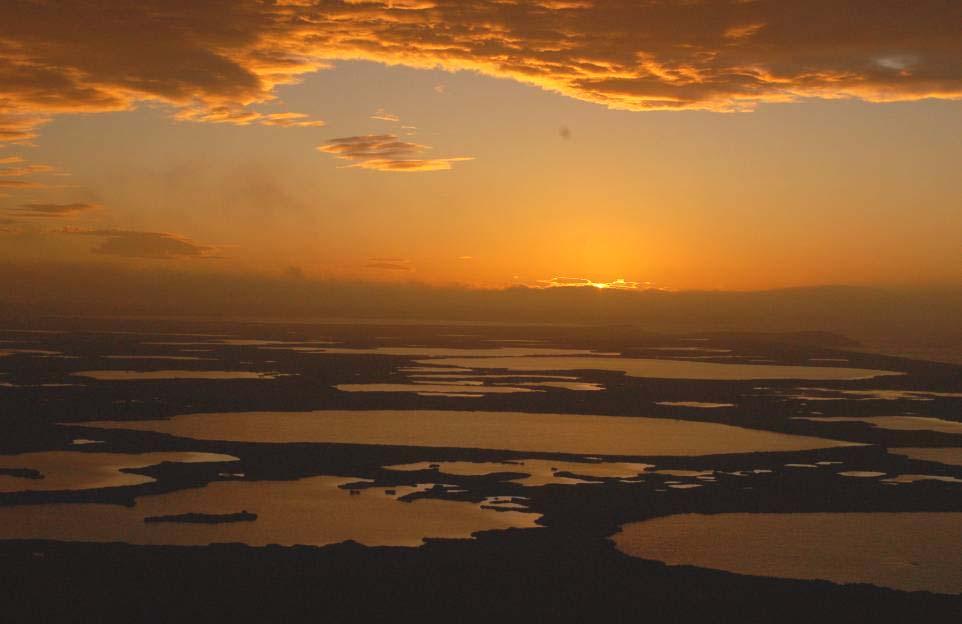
x=19 y=184
x=17 y=123
x=743 y=31
x=16 y=166
x=389 y=264
x=290 y=120
x=383 y=115
x=386 y=152
x=240 y=116
x=25 y=170
x=53 y=211
x=144 y=245
x=212 y=61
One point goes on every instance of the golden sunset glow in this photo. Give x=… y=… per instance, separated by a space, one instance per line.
x=618 y=145
x=480 y=310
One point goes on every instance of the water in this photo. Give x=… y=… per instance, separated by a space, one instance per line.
x=894 y=423
x=74 y=470
x=130 y=375
x=436 y=388
x=315 y=511
x=537 y=472
x=662 y=369
x=518 y=431
x=697 y=404
x=949 y=456
x=908 y=551
x=455 y=351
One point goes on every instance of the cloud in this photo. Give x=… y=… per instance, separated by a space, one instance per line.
x=214 y=60
x=409 y=165
x=19 y=184
x=404 y=5
x=24 y=170
x=565 y=4
x=53 y=210
x=17 y=125
x=742 y=31
x=240 y=116
x=17 y=167
x=208 y=60
x=575 y=282
x=7 y=226
x=389 y=264
x=148 y=245
x=383 y=115
x=290 y=120
x=294 y=272
x=385 y=152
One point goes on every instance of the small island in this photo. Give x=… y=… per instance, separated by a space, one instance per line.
x=202 y=518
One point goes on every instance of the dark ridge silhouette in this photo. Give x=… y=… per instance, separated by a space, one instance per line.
x=916 y=322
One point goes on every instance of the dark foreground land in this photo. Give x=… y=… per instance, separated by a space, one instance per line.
x=533 y=576
x=567 y=570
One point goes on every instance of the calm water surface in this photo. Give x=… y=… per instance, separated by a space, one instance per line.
x=315 y=511
x=907 y=551
x=74 y=470
x=663 y=369
x=517 y=431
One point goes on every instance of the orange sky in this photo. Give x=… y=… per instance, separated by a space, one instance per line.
x=719 y=144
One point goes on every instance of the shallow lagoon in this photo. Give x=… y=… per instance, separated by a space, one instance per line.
x=663 y=369
x=445 y=388
x=130 y=375
x=695 y=404
x=951 y=456
x=74 y=470
x=907 y=551
x=174 y=358
x=537 y=472
x=835 y=394
x=455 y=351
x=894 y=423
x=314 y=511
x=517 y=431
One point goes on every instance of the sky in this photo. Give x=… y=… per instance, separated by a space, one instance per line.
x=677 y=145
